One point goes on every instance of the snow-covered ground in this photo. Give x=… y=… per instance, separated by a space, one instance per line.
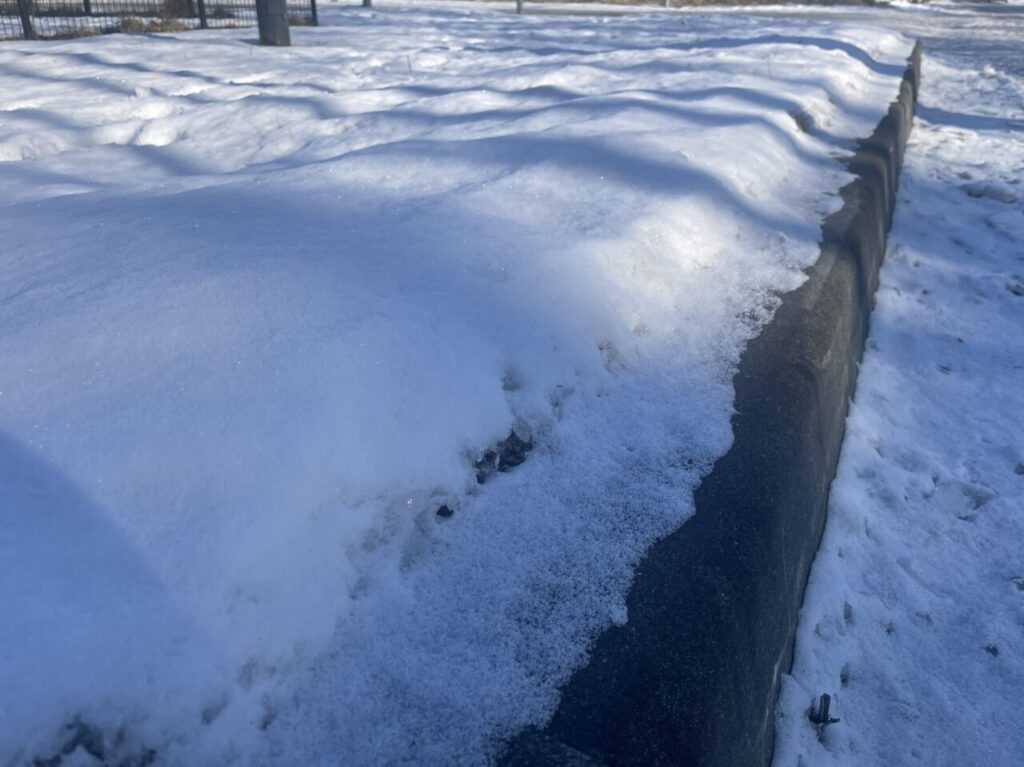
x=263 y=311
x=914 y=618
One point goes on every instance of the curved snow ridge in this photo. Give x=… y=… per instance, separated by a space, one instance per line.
x=248 y=367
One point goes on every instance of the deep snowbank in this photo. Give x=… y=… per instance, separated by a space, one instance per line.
x=265 y=308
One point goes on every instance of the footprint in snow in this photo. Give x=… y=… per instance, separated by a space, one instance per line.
x=992 y=190
x=962 y=500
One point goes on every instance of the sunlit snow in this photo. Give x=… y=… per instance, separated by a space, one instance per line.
x=263 y=309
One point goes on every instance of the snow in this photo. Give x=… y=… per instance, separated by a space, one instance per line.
x=263 y=309
x=914 y=617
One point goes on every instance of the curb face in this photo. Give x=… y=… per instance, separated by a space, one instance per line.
x=692 y=678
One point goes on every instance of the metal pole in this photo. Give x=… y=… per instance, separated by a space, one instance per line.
x=26 y=19
x=87 y=7
x=201 y=7
x=367 y=3
x=272 y=18
x=312 y=9
x=519 y=6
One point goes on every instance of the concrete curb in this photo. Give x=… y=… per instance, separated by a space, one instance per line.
x=693 y=677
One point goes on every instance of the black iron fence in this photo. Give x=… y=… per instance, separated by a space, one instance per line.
x=54 y=19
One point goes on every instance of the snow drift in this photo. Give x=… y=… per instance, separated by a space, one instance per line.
x=264 y=310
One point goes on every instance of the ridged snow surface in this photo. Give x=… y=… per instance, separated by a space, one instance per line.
x=263 y=310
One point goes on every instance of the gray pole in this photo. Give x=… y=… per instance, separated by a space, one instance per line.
x=272 y=17
x=367 y=3
x=26 y=20
x=519 y=6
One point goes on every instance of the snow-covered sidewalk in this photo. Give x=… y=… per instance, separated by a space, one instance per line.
x=265 y=311
x=914 y=617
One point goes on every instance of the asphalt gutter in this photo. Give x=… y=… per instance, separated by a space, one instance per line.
x=693 y=677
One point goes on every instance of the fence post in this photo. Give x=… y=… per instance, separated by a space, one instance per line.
x=519 y=6
x=201 y=7
x=87 y=7
x=367 y=3
x=312 y=10
x=25 y=12
x=272 y=18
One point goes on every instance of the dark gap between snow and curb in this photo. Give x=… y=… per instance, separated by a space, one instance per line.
x=692 y=678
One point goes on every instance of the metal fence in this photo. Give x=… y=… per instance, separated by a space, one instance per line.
x=55 y=19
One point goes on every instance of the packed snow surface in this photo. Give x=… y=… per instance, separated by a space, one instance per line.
x=914 y=616
x=264 y=309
